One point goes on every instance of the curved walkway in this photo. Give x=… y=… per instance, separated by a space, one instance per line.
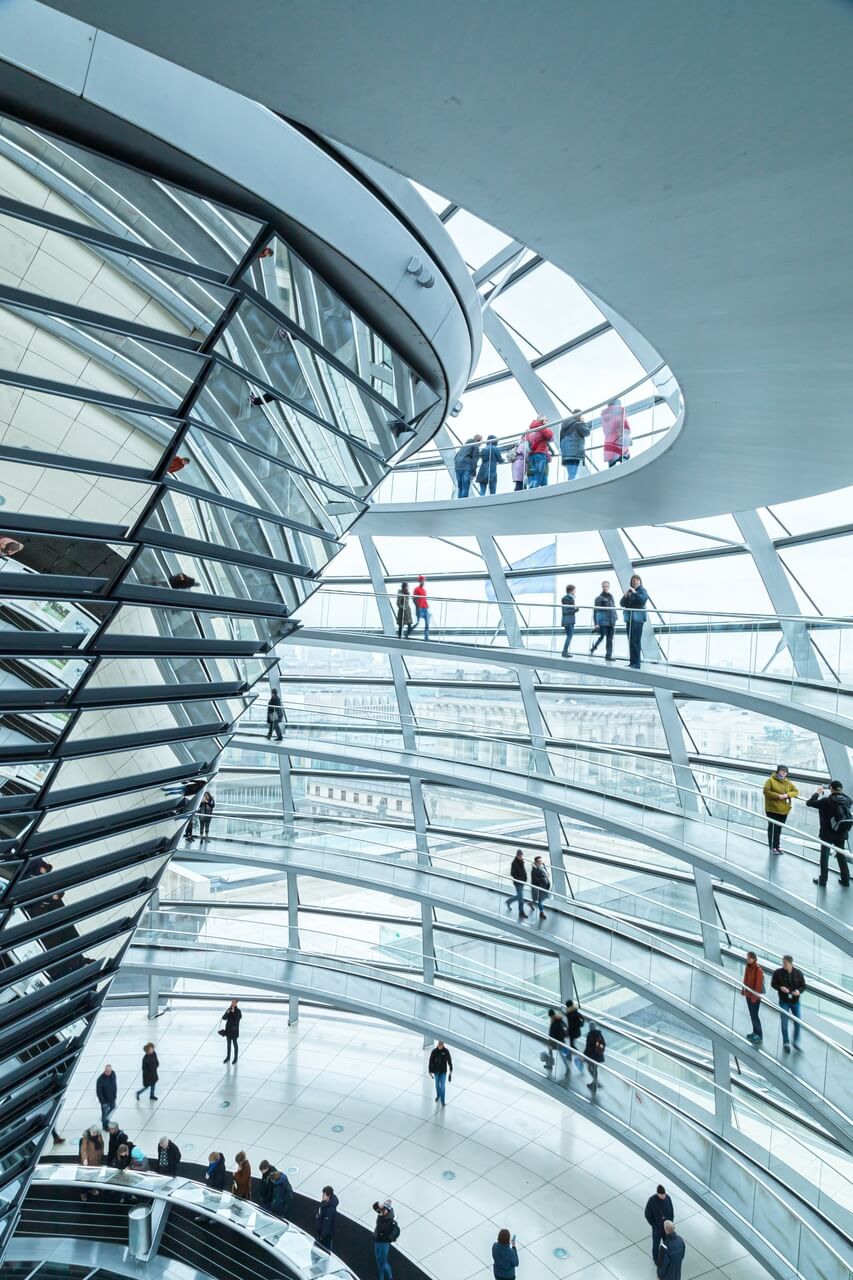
x=782 y=883
x=695 y=991
x=827 y=711
x=793 y=1241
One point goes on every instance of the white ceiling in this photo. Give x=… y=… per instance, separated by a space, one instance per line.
x=690 y=164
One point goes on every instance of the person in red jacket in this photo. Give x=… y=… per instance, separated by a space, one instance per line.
x=419 y=595
x=539 y=439
x=753 y=985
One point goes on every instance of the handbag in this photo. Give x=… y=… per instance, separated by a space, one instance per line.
x=222 y=1031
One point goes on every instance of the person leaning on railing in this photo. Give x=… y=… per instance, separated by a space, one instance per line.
x=573 y=434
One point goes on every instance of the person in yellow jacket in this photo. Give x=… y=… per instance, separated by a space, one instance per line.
x=778 y=795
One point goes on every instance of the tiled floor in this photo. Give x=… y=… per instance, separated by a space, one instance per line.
x=350 y=1103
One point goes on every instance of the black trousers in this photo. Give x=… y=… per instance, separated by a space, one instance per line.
x=605 y=634
x=203 y=825
x=775 y=823
x=231 y=1042
x=843 y=865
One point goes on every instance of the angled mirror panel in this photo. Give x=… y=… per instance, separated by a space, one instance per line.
x=182 y=630
x=159 y=570
x=226 y=469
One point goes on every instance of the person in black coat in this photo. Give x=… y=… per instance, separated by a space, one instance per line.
x=106 y=1089
x=540 y=885
x=594 y=1051
x=217 y=1175
x=604 y=617
x=116 y=1137
x=568 y=613
x=231 y=1017
x=440 y=1069
x=518 y=876
x=574 y=1022
x=150 y=1076
x=324 y=1221
x=658 y=1211
x=275 y=715
x=168 y=1157
x=205 y=813
x=835 y=812
x=282 y=1193
x=634 y=603
x=671 y=1257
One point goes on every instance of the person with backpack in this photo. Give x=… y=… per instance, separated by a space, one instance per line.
x=634 y=603
x=517 y=456
x=604 y=617
x=567 y=617
x=574 y=1022
x=594 y=1052
x=518 y=876
x=573 y=434
x=540 y=451
x=385 y=1233
x=487 y=473
x=275 y=715
x=464 y=463
x=540 y=885
x=617 y=433
x=752 y=990
x=835 y=814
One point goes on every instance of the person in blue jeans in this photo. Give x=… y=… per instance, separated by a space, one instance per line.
x=440 y=1069
x=789 y=984
x=386 y=1231
x=464 y=463
x=487 y=473
x=634 y=603
x=567 y=617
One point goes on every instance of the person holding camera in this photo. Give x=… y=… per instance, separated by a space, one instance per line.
x=504 y=1256
x=386 y=1231
x=835 y=814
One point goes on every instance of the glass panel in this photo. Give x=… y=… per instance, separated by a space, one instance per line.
x=43 y=491
x=156 y=568
x=548 y=308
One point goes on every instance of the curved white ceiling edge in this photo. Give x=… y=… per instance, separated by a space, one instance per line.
x=236 y=137
x=687 y=164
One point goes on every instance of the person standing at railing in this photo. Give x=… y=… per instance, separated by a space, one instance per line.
x=325 y=1219
x=539 y=438
x=604 y=617
x=518 y=876
x=634 y=603
x=789 y=984
x=567 y=617
x=404 y=611
x=835 y=812
x=617 y=433
x=275 y=715
x=242 y=1176
x=517 y=456
x=573 y=434
x=490 y=459
x=464 y=463
x=752 y=989
x=205 y=813
x=574 y=1022
x=779 y=792
x=419 y=595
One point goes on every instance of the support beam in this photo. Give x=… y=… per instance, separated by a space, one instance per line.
x=797 y=637
x=293 y=942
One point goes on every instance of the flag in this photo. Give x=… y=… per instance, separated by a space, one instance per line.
x=537 y=586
